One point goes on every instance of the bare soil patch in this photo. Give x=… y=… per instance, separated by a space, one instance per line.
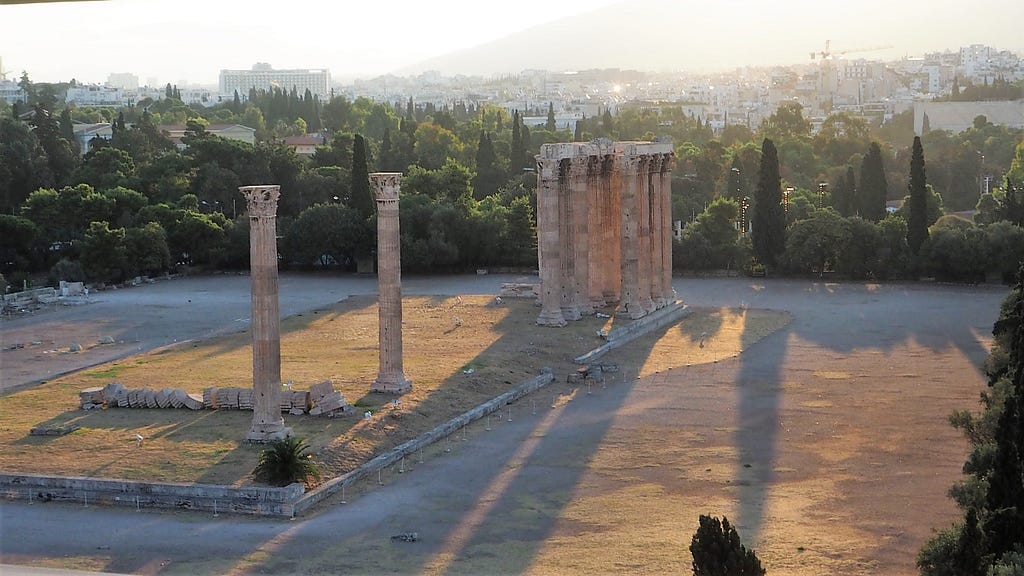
x=459 y=352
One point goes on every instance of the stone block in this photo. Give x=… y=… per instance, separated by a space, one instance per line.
x=210 y=397
x=318 y=391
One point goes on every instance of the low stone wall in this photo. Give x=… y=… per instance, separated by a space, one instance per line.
x=265 y=501
x=257 y=500
x=440 y=432
x=620 y=336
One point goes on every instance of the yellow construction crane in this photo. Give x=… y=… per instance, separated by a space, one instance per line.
x=827 y=53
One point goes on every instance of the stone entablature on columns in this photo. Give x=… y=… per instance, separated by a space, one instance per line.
x=267 y=423
x=604 y=227
x=391 y=377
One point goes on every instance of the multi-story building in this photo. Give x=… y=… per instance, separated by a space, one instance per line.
x=93 y=95
x=12 y=92
x=263 y=77
x=124 y=80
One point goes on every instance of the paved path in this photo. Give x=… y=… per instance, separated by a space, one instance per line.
x=509 y=485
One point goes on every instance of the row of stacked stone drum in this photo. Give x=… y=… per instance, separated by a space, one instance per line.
x=320 y=399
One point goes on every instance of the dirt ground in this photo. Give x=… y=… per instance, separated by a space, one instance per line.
x=825 y=442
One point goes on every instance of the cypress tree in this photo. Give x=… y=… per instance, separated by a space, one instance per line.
x=550 y=124
x=844 y=195
x=873 y=189
x=485 y=182
x=917 y=217
x=361 y=199
x=577 y=133
x=516 y=161
x=717 y=551
x=769 y=220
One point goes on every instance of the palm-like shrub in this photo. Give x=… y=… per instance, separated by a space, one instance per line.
x=285 y=461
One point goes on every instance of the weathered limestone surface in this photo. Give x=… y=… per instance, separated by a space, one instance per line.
x=604 y=228
x=391 y=377
x=267 y=423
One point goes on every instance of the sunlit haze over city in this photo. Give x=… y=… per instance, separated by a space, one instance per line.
x=191 y=41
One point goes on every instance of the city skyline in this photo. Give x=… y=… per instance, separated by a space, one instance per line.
x=191 y=41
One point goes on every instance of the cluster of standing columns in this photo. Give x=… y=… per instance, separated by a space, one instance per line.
x=267 y=423
x=604 y=228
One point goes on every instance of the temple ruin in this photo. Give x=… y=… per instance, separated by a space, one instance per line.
x=604 y=228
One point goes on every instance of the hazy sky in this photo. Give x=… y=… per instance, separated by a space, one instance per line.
x=194 y=39
x=175 y=40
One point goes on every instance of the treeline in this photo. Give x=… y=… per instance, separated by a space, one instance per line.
x=989 y=537
x=468 y=191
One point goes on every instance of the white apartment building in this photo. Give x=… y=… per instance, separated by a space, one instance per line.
x=11 y=92
x=93 y=95
x=263 y=77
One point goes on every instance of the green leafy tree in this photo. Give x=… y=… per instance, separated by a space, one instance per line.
x=786 y=123
x=327 y=235
x=717 y=551
x=60 y=154
x=815 y=244
x=521 y=241
x=769 y=221
x=23 y=164
x=714 y=231
x=873 y=189
x=917 y=214
x=844 y=194
x=435 y=144
x=106 y=167
x=859 y=258
x=146 y=250
x=19 y=248
x=285 y=461
x=104 y=256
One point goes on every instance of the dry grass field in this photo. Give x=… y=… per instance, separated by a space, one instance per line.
x=453 y=366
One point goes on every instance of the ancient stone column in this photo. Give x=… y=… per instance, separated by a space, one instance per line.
x=598 y=258
x=629 y=302
x=391 y=377
x=611 y=182
x=549 y=244
x=643 y=200
x=580 y=223
x=267 y=423
x=567 y=240
x=667 y=165
x=656 y=245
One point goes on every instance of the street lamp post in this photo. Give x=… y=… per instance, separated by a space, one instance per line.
x=785 y=199
x=822 y=186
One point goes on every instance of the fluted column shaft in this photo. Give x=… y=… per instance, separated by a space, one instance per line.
x=598 y=249
x=667 y=165
x=549 y=244
x=611 y=185
x=391 y=376
x=567 y=239
x=654 y=201
x=267 y=423
x=578 y=196
x=630 y=227
x=643 y=200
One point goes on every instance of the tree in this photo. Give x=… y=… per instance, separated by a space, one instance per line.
x=516 y=153
x=361 y=197
x=786 y=123
x=873 y=190
x=549 y=125
x=917 y=224
x=146 y=250
x=844 y=194
x=435 y=144
x=717 y=551
x=769 y=220
x=488 y=173
x=104 y=256
x=327 y=234
x=816 y=243
x=23 y=164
